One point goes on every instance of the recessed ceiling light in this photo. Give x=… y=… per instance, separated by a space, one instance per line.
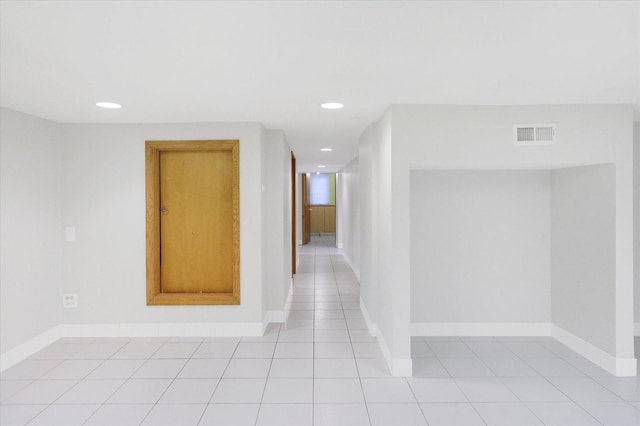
x=109 y=105
x=322 y=166
x=326 y=149
x=332 y=105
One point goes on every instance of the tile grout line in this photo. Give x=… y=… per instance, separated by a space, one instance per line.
x=79 y=381
x=172 y=380
x=455 y=382
x=215 y=388
x=540 y=375
x=366 y=405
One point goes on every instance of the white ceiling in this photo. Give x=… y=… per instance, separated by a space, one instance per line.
x=275 y=62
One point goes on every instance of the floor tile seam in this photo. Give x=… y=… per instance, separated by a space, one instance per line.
x=582 y=377
x=546 y=378
x=453 y=379
x=36 y=415
x=51 y=405
x=530 y=366
x=417 y=402
x=313 y=344
x=574 y=403
x=358 y=371
x=172 y=380
x=73 y=386
x=503 y=382
x=215 y=388
x=507 y=387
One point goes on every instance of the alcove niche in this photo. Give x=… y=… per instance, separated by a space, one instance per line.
x=514 y=252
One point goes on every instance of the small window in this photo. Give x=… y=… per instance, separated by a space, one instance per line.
x=322 y=190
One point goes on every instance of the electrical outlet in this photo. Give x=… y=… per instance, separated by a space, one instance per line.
x=69 y=301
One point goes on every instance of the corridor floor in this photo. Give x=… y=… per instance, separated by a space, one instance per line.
x=319 y=368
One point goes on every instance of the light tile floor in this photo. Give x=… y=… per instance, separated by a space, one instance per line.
x=319 y=368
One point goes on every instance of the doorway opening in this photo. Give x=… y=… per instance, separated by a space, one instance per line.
x=319 y=205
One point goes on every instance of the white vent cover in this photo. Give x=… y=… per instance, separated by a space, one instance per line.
x=534 y=134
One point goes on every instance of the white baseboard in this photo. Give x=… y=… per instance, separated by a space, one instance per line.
x=339 y=245
x=620 y=367
x=189 y=329
x=287 y=305
x=30 y=347
x=43 y=340
x=373 y=328
x=280 y=315
x=399 y=367
x=274 y=316
x=353 y=267
x=480 y=329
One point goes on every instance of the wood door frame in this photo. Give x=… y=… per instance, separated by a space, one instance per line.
x=306 y=220
x=294 y=243
x=155 y=296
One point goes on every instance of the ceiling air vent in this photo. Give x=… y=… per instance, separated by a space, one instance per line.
x=534 y=134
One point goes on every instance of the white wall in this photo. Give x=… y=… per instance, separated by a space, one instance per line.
x=480 y=246
x=103 y=197
x=480 y=137
x=348 y=203
x=383 y=277
x=367 y=159
x=277 y=228
x=30 y=228
x=583 y=262
x=636 y=221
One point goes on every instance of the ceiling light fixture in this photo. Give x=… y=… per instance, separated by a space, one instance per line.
x=326 y=149
x=322 y=166
x=332 y=105
x=108 y=105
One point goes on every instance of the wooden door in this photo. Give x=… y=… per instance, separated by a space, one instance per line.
x=193 y=222
x=330 y=219
x=294 y=241
x=317 y=219
x=306 y=222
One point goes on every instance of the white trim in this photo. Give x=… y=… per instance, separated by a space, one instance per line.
x=402 y=367
x=354 y=268
x=399 y=367
x=187 y=329
x=280 y=315
x=620 y=367
x=274 y=316
x=480 y=329
x=339 y=245
x=25 y=350
x=636 y=331
x=386 y=352
x=30 y=347
x=287 y=305
x=373 y=328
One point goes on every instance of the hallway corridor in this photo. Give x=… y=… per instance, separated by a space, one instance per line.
x=319 y=368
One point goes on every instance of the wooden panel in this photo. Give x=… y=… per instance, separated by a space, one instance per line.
x=294 y=239
x=306 y=219
x=317 y=219
x=196 y=222
x=330 y=219
x=193 y=247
